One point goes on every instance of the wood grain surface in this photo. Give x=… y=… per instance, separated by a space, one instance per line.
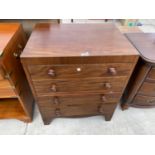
x=40 y=72
x=7 y=31
x=145 y=44
x=70 y=66
x=77 y=85
x=77 y=40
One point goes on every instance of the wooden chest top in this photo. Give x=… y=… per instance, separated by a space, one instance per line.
x=75 y=40
x=145 y=44
x=7 y=31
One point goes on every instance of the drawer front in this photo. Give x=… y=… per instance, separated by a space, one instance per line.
x=39 y=72
x=76 y=111
x=151 y=74
x=79 y=100
x=147 y=89
x=145 y=101
x=6 y=90
x=76 y=85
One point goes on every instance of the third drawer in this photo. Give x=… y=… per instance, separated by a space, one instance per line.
x=78 y=100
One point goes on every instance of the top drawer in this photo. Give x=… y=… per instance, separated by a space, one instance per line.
x=78 y=71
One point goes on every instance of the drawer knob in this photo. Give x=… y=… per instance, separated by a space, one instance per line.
x=107 y=85
x=78 y=69
x=151 y=101
x=57 y=112
x=17 y=54
x=56 y=100
x=103 y=98
x=112 y=71
x=101 y=110
x=51 y=72
x=53 y=88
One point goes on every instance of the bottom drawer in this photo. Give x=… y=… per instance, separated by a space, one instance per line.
x=83 y=110
x=143 y=101
x=78 y=111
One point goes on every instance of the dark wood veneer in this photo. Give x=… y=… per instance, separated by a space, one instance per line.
x=78 y=70
x=140 y=91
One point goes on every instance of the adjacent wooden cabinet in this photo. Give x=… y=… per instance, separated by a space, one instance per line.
x=140 y=91
x=78 y=70
x=16 y=100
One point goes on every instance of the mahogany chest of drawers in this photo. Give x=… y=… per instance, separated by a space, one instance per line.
x=16 y=100
x=140 y=91
x=78 y=69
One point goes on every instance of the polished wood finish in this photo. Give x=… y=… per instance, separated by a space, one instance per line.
x=77 y=40
x=77 y=70
x=81 y=70
x=16 y=100
x=140 y=91
x=109 y=84
x=141 y=41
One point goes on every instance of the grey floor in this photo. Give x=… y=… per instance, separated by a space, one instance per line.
x=132 y=121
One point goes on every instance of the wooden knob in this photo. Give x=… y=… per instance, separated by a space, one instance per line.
x=56 y=100
x=101 y=109
x=151 y=101
x=57 y=112
x=103 y=98
x=51 y=72
x=112 y=71
x=15 y=55
x=53 y=88
x=107 y=85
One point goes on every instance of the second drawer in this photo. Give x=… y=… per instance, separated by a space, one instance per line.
x=76 y=85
